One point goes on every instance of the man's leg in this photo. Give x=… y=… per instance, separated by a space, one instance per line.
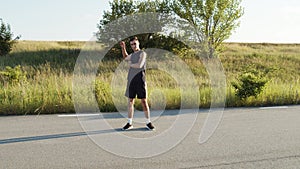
x=130 y=114
x=147 y=114
x=130 y=108
x=145 y=108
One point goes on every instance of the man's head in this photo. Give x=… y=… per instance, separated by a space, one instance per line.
x=135 y=44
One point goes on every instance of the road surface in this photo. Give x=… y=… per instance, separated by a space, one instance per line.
x=245 y=138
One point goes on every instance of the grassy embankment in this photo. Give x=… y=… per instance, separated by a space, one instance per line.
x=49 y=67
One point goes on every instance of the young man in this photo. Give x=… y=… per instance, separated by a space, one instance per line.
x=136 y=85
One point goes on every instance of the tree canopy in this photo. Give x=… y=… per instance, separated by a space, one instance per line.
x=213 y=21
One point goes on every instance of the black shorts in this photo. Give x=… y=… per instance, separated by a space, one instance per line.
x=137 y=87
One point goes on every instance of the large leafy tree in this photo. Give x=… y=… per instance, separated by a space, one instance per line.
x=115 y=25
x=119 y=8
x=122 y=8
x=213 y=21
x=6 y=38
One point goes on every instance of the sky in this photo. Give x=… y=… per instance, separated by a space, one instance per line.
x=264 y=21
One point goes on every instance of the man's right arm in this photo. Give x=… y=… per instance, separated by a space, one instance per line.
x=124 y=52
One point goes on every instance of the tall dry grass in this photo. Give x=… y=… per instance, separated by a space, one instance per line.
x=49 y=71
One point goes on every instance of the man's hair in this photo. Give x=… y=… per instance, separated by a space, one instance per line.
x=133 y=39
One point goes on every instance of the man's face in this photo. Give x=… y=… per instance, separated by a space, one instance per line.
x=135 y=45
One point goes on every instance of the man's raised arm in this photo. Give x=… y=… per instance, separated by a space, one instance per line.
x=124 y=52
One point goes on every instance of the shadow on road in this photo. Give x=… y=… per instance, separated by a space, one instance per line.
x=56 y=136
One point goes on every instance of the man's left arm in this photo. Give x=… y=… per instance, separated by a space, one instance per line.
x=141 y=61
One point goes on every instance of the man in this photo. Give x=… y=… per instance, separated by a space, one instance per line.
x=136 y=85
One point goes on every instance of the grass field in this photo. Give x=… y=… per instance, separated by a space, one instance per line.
x=44 y=82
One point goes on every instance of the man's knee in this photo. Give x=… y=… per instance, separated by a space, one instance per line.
x=130 y=101
x=144 y=101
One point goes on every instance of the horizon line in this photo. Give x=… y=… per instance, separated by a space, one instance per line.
x=223 y=42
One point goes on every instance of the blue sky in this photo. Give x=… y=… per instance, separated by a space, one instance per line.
x=273 y=21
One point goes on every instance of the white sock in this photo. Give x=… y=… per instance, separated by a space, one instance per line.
x=130 y=121
x=148 y=121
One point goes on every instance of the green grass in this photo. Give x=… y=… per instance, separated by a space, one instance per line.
x=49 y=70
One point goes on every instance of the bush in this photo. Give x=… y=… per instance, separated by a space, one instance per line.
x=12 y=76
x=6 y=39
x=250 y=83
x=104 y=96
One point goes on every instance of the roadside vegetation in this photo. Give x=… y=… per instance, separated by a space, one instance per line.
x=36 y=77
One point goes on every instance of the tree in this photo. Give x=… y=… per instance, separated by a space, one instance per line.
x=122 y=8
x=214 y=20
x=119 y=8
x=115 y=25
x=6 y=38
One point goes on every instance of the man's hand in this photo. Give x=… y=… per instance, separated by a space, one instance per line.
x=122 y=44
x=123 y=47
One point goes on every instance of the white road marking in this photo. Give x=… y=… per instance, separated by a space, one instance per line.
x=78 y=115
x=275 y=107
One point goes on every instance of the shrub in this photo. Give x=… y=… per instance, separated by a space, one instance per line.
x=12 y=76
x=103 y=96
x=250 y=83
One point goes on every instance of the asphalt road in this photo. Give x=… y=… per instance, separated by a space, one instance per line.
x=245 y=138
